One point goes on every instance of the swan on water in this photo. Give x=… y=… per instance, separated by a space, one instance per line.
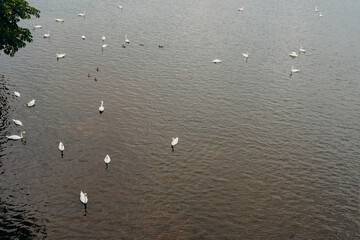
x=120 y=6
x=59 y=20
x=294 y=70
x=103 y=46
x=37 y=26
x=17 y=94
x=320 y=15
x=18 y=122
x=293 y=54
x=103 y=38
x=216 y=61
x=61 y=55
x=16 y=137
x=83 y=197
x=174 y=142
x=126 y=39
x=82 y=14
x=246 y=55
x=241 y=9
x=31 y=103
x=61 y=146
x=301 y=50
x=47 y=35
x=107 y=159
x=83 y=37
x=101 y=108
x=316 y=10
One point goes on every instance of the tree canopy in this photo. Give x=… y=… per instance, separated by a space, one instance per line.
x=13 y=37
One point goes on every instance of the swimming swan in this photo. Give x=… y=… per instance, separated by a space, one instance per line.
x=16 y=137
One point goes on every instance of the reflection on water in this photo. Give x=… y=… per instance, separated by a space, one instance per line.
x=261 y=154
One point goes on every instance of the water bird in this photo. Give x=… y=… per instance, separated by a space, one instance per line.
x=84 y=199
x=83 y=37
x=101 y=108
x=241 y=9
x=17 y=94
x=59 y=20
x=103 y=46
x=47 y=35
x=103 y=38
x=18 y=122
x=121 y=7
x=31 y=103
x=293 y=54
x=107 y=160
x=245 y=55
x=161 y=46
x=301 y=50
x=216 y=61
x=294 y=70
x=37 y=26
x=174 y=142
x=141 y=44
x=88 y=74
x=82 y=14
x=316 y=10
x=320 y=15
x=126 y=39
x=61 y=55
x=95 y=79
x=16 y=137
x=61 y=148
x=123 y=46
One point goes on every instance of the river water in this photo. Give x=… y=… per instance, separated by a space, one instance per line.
x=262 y=154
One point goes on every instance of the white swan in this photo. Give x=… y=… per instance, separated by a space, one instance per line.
x=101 y=108
x=17 y=94
x=37 y=26
x=83 y=37
x=246 y=55
x=47 y=35
x=18 y=122
x=126 y=39
x=83 y=197
x=293 y=54
x=31 y=103
x=316 y=10
x=61 y=146
x=216 y=61
x=120 y=6
x=103 y=38
x=104 y=46
x=320 y=15
x=59 y=20
x=16 y=137
x=294 y=70
x=241 y=9
x=82 y=14
x=61 y=55
x=107 y=159
x=301 y=50
x=174 y=142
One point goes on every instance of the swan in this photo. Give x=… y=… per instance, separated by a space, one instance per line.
x=120 y=7
x=301 y=50
x=320 y=15
x=174 y=142
x=293 y=54
x=294 y=70
x=316 y=10
x=17 y=94
x=101 y=108
x=107 y=159
x=31 y=103
x=216 y=61
x=83 y=37
x=61 y=55
x=16 y=137
x=47 y=35
x=82 y=14
x=241 y=9
x=18 y=122
x=83 y=197
x=245 y=55
x=126 y=39
x=61 y=146
x=103 y=38
x=59 y=20
x=104 y=46
x=37 y=26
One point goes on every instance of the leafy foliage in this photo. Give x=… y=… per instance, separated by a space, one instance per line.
x=13 y=37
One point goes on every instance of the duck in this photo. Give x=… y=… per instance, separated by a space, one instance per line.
x=83 y=37
x=216 y=61
x=294 y=70
x=123 y=46
x=101 y=108
x=82 y=14
x=141 y=44
x=31 y=103
x=59 y=20
x=17 y=94
x=301 y=50
x=37 y=26
x=126 y=39
x=161 y=46
x=16 y=137
x=83 y=197
x=174 y=142
x=293 y=54
x=18 y=122
x=61 y=55
x=47 y=35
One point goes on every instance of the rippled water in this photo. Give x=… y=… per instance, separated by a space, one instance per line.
x=261 y=154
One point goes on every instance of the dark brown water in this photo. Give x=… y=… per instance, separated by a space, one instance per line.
x=261 y=155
